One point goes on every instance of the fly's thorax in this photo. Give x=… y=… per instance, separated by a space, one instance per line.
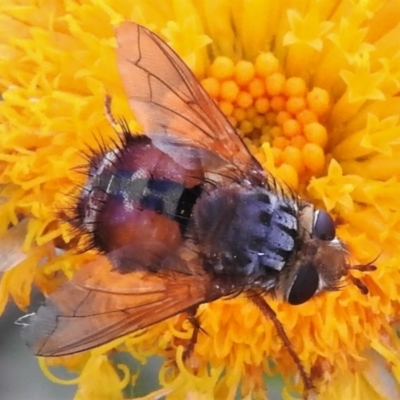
x=246 y=231
x=319 y=263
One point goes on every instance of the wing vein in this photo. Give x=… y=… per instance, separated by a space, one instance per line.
x=180 y=97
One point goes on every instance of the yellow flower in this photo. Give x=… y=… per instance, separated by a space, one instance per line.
x=313 y=88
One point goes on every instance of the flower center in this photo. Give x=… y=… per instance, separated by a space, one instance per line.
x=267 y=107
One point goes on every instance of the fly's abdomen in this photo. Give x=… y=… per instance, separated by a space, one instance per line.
x=138 y=202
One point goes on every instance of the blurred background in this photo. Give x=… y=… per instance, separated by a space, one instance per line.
x=20 y=375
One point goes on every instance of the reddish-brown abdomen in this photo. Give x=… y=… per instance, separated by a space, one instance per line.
x=138 y=202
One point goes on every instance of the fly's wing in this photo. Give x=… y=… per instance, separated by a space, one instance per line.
x=100 y=304
x=11 y=242
x=171 y=105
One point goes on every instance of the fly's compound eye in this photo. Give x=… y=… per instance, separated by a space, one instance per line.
x=324 y=226
x=305 y=285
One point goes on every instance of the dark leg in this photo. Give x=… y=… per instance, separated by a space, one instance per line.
x=108 y=112
x=191 y=313
x=369 y=267
x=270 y=313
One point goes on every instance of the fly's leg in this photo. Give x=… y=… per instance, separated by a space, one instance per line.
x=194 y=320
x=270 y=313
x=108 y=112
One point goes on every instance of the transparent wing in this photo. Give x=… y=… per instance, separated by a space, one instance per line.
x=100 y=304
x=171 y=105
x=11 y=242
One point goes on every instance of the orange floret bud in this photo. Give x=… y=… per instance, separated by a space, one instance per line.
x=222 y=68
x=291 y=128
x=212 y=86
x=239 y=114
x=262 y=105
x=306 y=116
x=282 y=117
x=298 y=141
x=244 y=72
x=275 y=84
x=313 y=157
x=280 y=142
x=246 y=126
x=266 y=64
x=294 y=157
x=251 y=113
x=295 y=86
x=295 y=104
x=244 y=99
x=229 y=90
x=278 y=103
x=270 y=118
x=259 y=121
x=318 y=101
x=275 y=131
x=256 y=88
x=316 y=133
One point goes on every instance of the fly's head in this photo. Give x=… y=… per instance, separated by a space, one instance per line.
x=321 y=262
